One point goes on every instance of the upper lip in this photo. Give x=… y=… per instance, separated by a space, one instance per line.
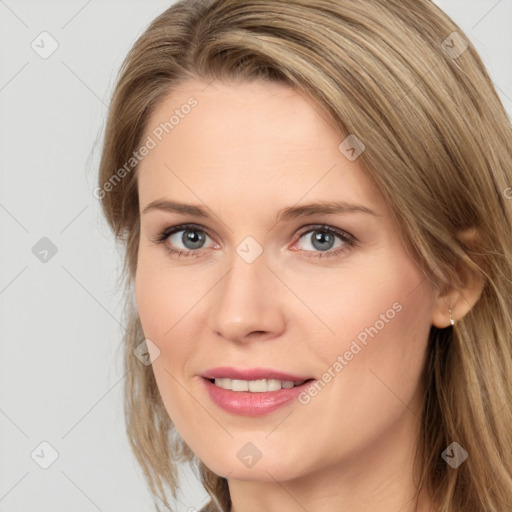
x=250 y=374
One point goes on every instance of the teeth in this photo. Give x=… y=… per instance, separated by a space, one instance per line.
x=239 y=385
x=256 y=386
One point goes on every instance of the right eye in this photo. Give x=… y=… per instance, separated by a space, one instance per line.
x=191 y=237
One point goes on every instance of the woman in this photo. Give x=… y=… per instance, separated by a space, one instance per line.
x=314 y=198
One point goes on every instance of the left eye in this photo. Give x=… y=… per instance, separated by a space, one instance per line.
x=324 y=239
x=320 y=240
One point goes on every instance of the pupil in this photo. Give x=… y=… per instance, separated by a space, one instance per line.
x=193 y=238
x=322 y=238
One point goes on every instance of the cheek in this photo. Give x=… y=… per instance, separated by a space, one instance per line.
x=163 y=300
x=163 y=296
x=377 y=320
x=382 y=303
x=163 y=313
x=170 y=302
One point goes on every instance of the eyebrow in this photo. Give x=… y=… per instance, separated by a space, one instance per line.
x=288 y=213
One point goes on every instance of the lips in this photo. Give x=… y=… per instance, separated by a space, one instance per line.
x=252 y=403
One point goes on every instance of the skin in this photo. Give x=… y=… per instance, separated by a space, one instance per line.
x=245 y=152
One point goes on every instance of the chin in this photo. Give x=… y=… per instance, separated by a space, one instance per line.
x=266 y=469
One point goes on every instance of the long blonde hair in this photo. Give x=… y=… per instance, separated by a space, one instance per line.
x=398 y=75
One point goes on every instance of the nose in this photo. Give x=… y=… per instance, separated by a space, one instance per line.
x=248 y=303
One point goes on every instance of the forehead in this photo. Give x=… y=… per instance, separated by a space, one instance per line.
x=240 y=112
x=258 y=138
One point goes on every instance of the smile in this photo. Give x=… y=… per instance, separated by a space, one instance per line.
x=255 y=386
x=253 y=397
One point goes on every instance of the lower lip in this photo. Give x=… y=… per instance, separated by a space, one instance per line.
x=247 y=403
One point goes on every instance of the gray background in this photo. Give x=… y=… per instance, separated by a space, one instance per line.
x=60 y=358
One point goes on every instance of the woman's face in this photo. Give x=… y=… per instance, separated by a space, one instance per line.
x=268 y=281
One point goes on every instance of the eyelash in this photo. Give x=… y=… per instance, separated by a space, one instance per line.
x=347 y=238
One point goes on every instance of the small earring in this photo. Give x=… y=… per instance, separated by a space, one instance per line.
x=451 y=319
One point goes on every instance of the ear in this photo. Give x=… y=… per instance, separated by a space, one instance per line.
x=462 y=299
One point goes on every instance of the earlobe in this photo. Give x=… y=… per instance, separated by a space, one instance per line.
x=454 y=304
x=444 y=310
